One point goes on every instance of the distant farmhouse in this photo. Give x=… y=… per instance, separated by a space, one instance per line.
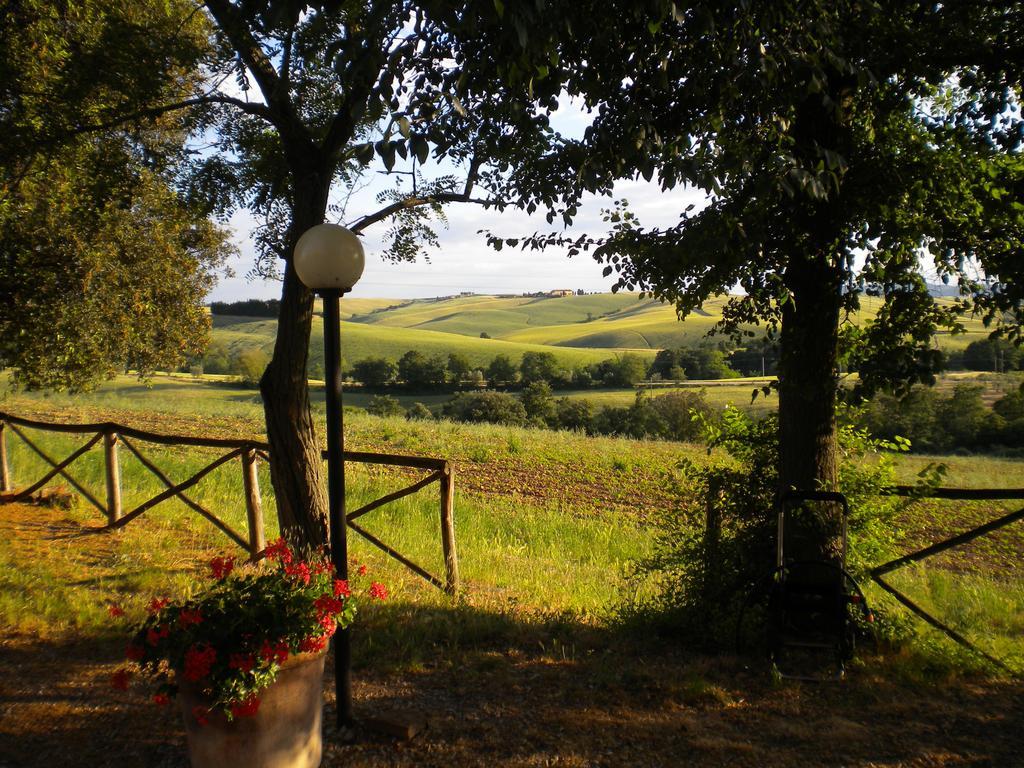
x=561 y=292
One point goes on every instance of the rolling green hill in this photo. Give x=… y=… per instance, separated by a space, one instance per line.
x=577 y=329
x=360 y=340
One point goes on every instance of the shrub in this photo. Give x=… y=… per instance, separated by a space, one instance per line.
x=538 y=366
x=700 y=584
x=577 y=415
x=538 y=402
x=488 y=407
x=249 y=365
x=419 y=371
x=374 y=371
x=384 y=405
x=418 y=412
x=501 y=371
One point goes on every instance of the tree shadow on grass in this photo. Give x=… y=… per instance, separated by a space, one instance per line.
x=500 y=688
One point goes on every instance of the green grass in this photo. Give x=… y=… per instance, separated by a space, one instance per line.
x=545 y=520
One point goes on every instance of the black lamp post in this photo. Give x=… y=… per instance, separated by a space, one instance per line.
x=330 y=259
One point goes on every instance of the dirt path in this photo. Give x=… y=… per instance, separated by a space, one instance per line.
x=606 y=702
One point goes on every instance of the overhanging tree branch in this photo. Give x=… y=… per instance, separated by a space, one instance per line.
x=415 y=201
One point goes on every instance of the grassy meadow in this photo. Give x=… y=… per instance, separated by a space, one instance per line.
x=546 y=521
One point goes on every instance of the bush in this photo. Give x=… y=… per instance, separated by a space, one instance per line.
x=418 y=412
x=501 y=372
x=538 y=366
x=577 y=415
x=487 y=407
x=538 y=402
x=384 y=405
x=700 y=585
x=421 y=372
x=374 y=372
x=249 y=365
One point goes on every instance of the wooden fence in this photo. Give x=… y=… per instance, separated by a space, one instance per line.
x=248 y=453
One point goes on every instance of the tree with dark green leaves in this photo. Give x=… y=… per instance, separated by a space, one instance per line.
x=846 y=147
x=104 y=266
x=374 y=371
x=287 y=103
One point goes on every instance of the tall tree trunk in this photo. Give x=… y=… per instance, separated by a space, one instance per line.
x=808 y=371
x=296 y=470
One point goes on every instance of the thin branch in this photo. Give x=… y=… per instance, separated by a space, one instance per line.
x=251 y=108
x=415 y=202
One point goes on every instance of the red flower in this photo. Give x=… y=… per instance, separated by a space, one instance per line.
x=157 y=604
x=201 y=714
x=120 y=679
x=329 y=623
x=242 y=661
x=115 y=610
x=361 y=570
x=274 y=654
x=322 y=566
x=134 y=652
x=156 y=634
x=327 y=606
x=187 y=618
x=246 y=708
x=222 y=566
x=313 y=644
x=341 y=588
x=278 y=550
x=300 y=571
x=161 y=699
x=378 y=591
x=198 y=661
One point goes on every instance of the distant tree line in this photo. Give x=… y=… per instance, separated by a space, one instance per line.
x=942 y=422
x=672 y=416
x=247 y=308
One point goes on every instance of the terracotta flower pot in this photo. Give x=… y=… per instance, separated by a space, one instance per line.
x=284 y=733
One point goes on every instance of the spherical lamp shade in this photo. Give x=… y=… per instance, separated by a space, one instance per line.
x=329 y=257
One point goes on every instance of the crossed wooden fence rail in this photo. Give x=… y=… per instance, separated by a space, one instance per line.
x=248 y=452
x=953 y=494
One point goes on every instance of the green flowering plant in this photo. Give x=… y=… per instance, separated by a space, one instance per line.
x=230 y=641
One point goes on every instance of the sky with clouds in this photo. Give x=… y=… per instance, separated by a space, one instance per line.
x=463 y=261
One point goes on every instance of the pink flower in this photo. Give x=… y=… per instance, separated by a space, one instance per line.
x=378 y=591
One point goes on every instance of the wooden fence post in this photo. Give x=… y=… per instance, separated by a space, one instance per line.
x=451 y=560
x=253 y=504
x=113 y=468
x=5 y=472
